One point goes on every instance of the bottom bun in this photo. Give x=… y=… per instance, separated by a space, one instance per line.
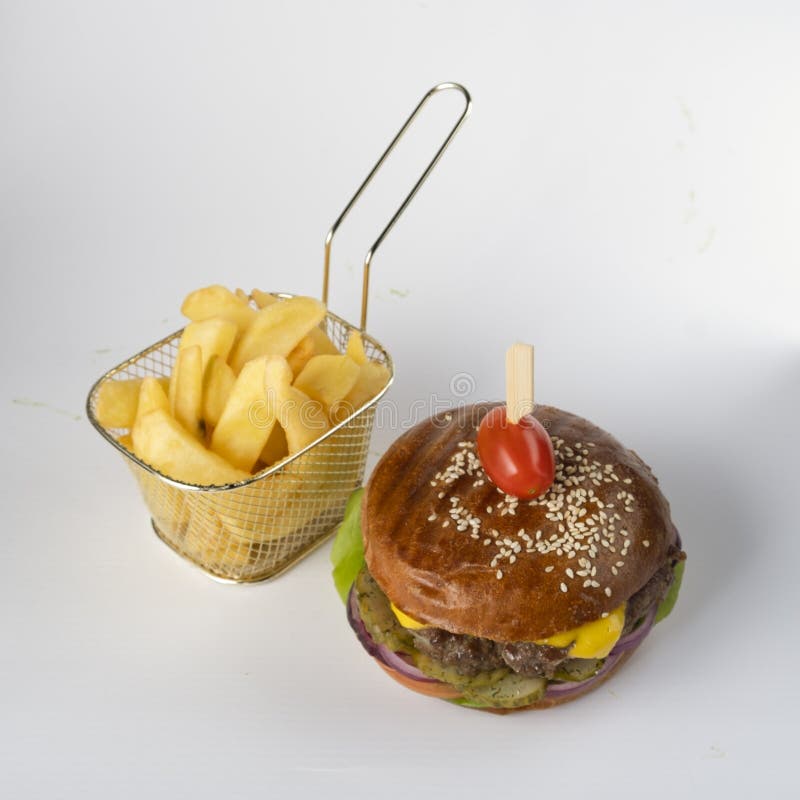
x=444 y=691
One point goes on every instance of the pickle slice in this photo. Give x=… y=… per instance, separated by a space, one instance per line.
x=578 y=669
x=435 y=669
x=511 y=691
x=500 y=688
x=378 y=617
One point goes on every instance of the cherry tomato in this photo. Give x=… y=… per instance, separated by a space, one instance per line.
x=519 y=457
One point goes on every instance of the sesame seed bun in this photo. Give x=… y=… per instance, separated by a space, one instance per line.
x=452 y=551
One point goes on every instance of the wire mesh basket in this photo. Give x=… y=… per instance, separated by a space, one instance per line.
x=256 y=529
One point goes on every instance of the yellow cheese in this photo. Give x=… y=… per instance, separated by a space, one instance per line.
x=405 y=620
x=594 y=639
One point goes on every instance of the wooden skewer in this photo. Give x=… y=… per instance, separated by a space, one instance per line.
x=519 y=381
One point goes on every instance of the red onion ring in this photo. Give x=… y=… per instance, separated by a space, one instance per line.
x=628 y=642
x=395 y=661
x=568 y=688
x=635 y=637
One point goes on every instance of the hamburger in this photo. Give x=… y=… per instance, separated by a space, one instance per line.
x=465 y=593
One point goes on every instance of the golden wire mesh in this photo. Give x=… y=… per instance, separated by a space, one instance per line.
x=260 y=527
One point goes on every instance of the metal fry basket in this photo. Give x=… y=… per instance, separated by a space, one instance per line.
x=255 y=529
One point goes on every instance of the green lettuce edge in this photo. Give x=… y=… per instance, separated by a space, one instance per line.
x=347 y=553
x=668 y=603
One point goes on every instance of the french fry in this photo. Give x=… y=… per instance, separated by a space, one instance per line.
x=323 y=346
x=213 y=336
x=328 y=379
x=355 y=348
x=307 y=487
x=277 y=381
x=152 y=396
x=276 y=447
x=217 y=301
x=186 y=390
x=247 y=419
x=314 y=343
x=218 y=380
x=263 y=299
x=303 y=420
x=242 y=295
x=277 y=329
x=372 y=377
x=223 y=550
x=117 y=402
x=161 y=441
x=299 y=357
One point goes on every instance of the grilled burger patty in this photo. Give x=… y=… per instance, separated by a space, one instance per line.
x=471 y=655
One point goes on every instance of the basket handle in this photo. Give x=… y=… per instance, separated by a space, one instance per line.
x=409 y=197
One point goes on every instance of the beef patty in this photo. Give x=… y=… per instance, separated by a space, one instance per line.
x=470 y=655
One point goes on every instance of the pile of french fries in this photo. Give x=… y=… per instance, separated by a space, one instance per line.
x=253 y=383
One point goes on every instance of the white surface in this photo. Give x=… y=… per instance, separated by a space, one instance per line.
x=625 y=195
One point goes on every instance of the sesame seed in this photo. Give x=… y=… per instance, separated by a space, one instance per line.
x=563 y=587
x=646 y=543
x=607 y=591
x=499 y=574
x=578 y=523
x=432 y=517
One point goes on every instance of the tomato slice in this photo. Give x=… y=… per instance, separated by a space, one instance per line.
x=517 y=457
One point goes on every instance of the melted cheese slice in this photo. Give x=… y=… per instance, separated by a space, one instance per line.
x=405 y=620
x=594 y=639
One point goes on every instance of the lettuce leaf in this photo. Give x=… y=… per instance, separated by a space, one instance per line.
x=347 y=553
x=668 y=603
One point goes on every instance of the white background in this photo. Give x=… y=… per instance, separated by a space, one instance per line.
x=626 y=195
